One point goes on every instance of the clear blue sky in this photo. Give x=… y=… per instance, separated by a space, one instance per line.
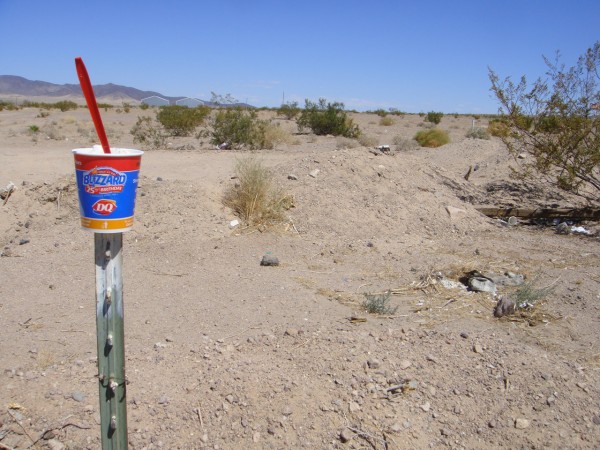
x=411 y=55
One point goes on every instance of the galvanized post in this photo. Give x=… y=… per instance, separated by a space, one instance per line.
x=111 y=342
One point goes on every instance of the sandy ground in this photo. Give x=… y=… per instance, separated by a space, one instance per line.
x=225 y=353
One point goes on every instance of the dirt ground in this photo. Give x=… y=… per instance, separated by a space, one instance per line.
x=224 y=353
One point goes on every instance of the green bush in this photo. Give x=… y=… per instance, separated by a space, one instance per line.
x=432 y=138
x=64 y=105
x=327 y=118
x=144 y=106
x=379 y=304
x=381 y=112
x=8 y=106
x=498 y=128
x=434 y=117
x=477 y=133
x=238 y=128
x=181 y=120
x=34 y=128
x=149 y=133
x=289 y=110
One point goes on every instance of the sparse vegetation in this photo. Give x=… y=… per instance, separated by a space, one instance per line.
x=498 y=128
x=64 y=105
x=367 y=141
x=432 y=138
x=402 y=144
x=150 y=134
x=434 y=117
x=34 y=128
x=386 y=121
x=477 y=133
x=379 y=304
x=289 y=110
x=528 y=294
x=556 y=121
x=239 y=128
x=181 y=120
x=327 y=118
x=253 y=198
x=274 y=135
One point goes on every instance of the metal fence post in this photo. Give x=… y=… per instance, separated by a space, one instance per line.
x=111 y=342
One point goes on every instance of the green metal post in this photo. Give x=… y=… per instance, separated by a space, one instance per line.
x=111 y=340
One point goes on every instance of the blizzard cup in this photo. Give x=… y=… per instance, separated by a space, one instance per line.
x=107 y=184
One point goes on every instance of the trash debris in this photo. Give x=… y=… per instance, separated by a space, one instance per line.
x=482 y=284
x=384 y=148
x=223 y=146
x=580 y=230
x=234 y=223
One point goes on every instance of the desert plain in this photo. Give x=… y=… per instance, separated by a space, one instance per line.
x=223 y=353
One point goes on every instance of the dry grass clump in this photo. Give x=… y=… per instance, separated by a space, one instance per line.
x=275 y=135
x=367 y=141
x=386 y=121
x=403 y=145
x=498 y=128
x=254 y=198
x=344 y=142
x=432 y=138
x=477 y=133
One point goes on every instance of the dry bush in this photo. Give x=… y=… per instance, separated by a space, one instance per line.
x=253 y=198
x=386 y=121
x=343 y=142
x=403 y=145
x=477 y=133
x=432 y=138
x=498 y=128
x=274 y=135
x=367 y=141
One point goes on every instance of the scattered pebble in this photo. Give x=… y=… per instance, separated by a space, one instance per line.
x=477 y=348
x=78 y=396
x=521 y=424
x=346 y=435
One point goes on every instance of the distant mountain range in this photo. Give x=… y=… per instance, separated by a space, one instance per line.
x=12 y=85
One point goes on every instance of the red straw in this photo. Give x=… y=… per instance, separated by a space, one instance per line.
x=90 y=98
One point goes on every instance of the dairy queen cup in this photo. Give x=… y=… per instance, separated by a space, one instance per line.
x=107 y=184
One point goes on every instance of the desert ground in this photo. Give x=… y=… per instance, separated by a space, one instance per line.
x=223 y=353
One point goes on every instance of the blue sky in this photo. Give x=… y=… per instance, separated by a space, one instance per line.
x=411 y=55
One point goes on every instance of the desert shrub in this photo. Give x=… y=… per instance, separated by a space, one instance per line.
x=34 y=128
x=289 y=110
x=381 y=112
x=149 y=133
x=66 y=105
x=498 y=128
x=477 y=133
x=434 y=117
x=343 y=142
x=144 y=106
x=8 y=106
x=274 y=134
x=379 y=303
x=367 y=141
x=402 y=144
x=386 y=121
x=556 y=122
x=528 y=294
x=43 y=114
x=432 y=138
x=253 y=198
x=327 y=118
x=181 y=120
x=126 y=107
x=426 y=125
x=238 y=128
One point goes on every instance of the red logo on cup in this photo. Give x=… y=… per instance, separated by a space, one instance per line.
x=104 y=207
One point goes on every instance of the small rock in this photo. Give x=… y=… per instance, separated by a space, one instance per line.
x=522 y=155
x=24 y=241
x=521 y=424
x=426 y=406
x=464 y=335
x=396 y=427
x=492 y=423
x=504 y=307
x=256 y=437
x=482 y=284
x=291 y=332
x=353 y=407
x=78 y=396
x=477 y=348
x=269 y=260
x=163 y=400
x=446 y=432
x=314 y=173
x=346 y=435
x=455 y=213
x=431 y=358
x=405 y=364
x=596 y=419
x=292 y=177
x=204 y=438
x=550 y=400
x=53 y=444
x=563 y=228
x=373 y=363
x=50 y=434
x=159 y=179
x=287 y=411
